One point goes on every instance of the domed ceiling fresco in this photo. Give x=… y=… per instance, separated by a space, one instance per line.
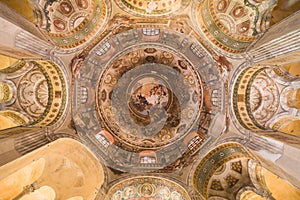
x=157 y=90
x=142 y=105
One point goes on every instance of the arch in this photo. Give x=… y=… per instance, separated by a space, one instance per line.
x=10 y=119
x=264 y=100
x=38 y=89
x=287 y=124
x=225 y=170
x=255 y=98
x=6 y=92
x=6 y=61
x=65 y=165
x=293 y=98
x=210 y=164
x=283 y=73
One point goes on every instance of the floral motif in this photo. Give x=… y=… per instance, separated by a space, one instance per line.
x=33 y=92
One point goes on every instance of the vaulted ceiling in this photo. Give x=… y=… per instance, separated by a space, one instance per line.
x=157 y=93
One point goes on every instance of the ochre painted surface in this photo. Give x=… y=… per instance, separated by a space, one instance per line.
x=14 y=183
x=5 y=92
x=69 y=169
x=6 y=61
x=9 y=119
x=250 y=195
x=281 y=190
x=292 y=128
x=6 y=123
x=293 y=69
x=22 y=7
x=283 y=9
x=43 y=193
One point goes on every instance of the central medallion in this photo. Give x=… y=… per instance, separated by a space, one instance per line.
x=149 y=105
x=148 y=97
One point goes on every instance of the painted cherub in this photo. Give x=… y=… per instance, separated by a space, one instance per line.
x=76 y=62
x=224 y=67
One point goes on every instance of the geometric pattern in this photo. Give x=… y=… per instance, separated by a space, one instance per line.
x=237 y=166
x=231 y=181
x=216 y=185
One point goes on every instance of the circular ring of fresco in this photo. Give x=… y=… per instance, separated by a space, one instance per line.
x=149 y=105
x=152 y=8
x=145 y=187
x=161 y=98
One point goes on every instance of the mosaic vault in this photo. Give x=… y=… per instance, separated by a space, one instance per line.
x=71 y=23
x=233 y=25
x=147 y=187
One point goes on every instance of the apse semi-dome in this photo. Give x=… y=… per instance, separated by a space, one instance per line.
x=72 y=23
x=152 y=8
x=147 y=187
x=140 y=104
x=232 y=25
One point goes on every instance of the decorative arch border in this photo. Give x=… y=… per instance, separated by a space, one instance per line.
x=213 y=160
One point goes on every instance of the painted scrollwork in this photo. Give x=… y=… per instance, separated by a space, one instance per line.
x=264 y=98
x=33 y=93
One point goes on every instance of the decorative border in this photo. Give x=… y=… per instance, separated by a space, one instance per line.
x=252 y=72
x=14 y=67
x=17 y=118
x=56 y=105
